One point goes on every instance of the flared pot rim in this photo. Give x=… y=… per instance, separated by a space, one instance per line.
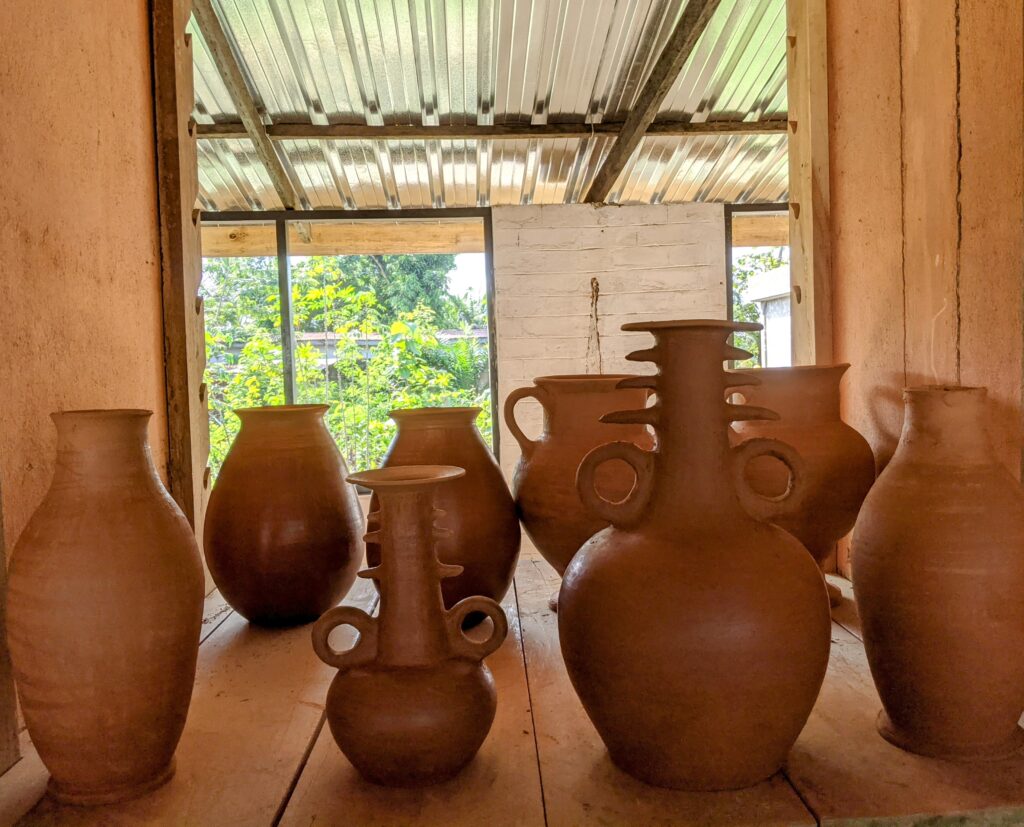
x=276 y=409
x=922 y=390
x=582 y=381
x=406 y=476
x=102 y=413
x=795 y=368
x=425 y=413
x=679 y=324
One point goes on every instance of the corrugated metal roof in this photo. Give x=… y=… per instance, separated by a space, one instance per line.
x=487 y=62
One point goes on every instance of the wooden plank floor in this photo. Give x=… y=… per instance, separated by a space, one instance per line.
x=256 y=751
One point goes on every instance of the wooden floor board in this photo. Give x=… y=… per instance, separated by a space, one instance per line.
x=215 y=612
x=849 y=774
x=256 y=705
x=581 y=785
x=500 y=787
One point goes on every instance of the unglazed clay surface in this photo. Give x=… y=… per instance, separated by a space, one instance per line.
x=282 y=535
x=105 y=600
x=478 y=509
x=412 y=701
x=544 y=484
x=938 y=571
x=695 y=635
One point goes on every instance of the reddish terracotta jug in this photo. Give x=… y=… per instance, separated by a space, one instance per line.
x=412 y=702
x=282 y=535
x=544 y=484
x=938 y=573
x=695 y=635
x=838 y=463
x=478 y=509
x=104 y=606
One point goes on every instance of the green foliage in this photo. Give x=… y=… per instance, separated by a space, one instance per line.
x=764 y=259
x=376 y=347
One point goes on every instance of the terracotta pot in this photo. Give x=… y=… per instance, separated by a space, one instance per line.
x=104 y=606
x=938 y=573
x=412 y=702
x=478 y=508
x=544 y=484
x=695 y=635
x=282 y=535
x=839 y=465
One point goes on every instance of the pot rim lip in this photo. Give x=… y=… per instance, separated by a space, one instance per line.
x=103 y=413
x=582 y=381
x=406 y=476
x=268 y=409
x=427 y=413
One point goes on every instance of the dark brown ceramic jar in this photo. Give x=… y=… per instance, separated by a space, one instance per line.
x=838 y=463
x=938 y=573
x=544 y=484
x=104 y=605
x=478 y=508
x=412 y=701
x=695 y=635
x=282 y=534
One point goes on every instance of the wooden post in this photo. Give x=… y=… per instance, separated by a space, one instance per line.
x=810 y=232
x=9 y=753
x=180 y=258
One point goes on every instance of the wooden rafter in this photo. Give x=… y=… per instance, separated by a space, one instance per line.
x=691 y=26
x=307 y=131
x=251 y=122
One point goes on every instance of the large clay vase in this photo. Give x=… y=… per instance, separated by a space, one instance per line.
x=478 y=509
x=544 y=484
x=412 y=702
x=938 y=573
x=838 y=463
x=695 y=635
x=282 y=536
x=104 y=607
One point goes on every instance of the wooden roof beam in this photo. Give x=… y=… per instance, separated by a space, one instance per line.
x=691 y=26
x=231 y=73
x=364 y=132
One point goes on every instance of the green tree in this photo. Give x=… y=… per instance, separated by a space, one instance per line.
x=759 y=261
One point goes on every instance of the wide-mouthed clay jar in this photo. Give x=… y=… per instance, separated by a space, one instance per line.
x=104 y=606
x=283 y=528
x=478 y=509
x=838 y=463
x=412 y=701
x=938 y=574
x=695 y=635
x=544 y=484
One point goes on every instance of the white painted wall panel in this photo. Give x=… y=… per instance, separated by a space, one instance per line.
x=649 y=262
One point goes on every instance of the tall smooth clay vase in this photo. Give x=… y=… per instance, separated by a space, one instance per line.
x=412 y=701
x=478 y=509
x=938 y=573
x=282 y=535
x=695 y=635
x=104 y=607
x=544 y=483
x=838 y=462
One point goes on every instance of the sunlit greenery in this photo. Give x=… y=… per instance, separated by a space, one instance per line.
x=368 y=340
x=760 y=261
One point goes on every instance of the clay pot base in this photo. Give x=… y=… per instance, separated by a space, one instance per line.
x=648 y=774
x=997 y=752
x=95 y=798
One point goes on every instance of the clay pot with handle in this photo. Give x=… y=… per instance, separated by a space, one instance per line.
x=104 y=606
x=695 y=632
x=282 y=535
x=938 y=574
x=544 y=484
x=480 y=519
x=839 y=465
x=412 y=701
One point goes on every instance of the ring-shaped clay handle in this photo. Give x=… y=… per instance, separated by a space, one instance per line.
x=526 y=445
x=627 y=511
x=465 y=647
x=365 y=648
x=761 y=506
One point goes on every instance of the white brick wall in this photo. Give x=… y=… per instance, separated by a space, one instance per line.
x=651 y=262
